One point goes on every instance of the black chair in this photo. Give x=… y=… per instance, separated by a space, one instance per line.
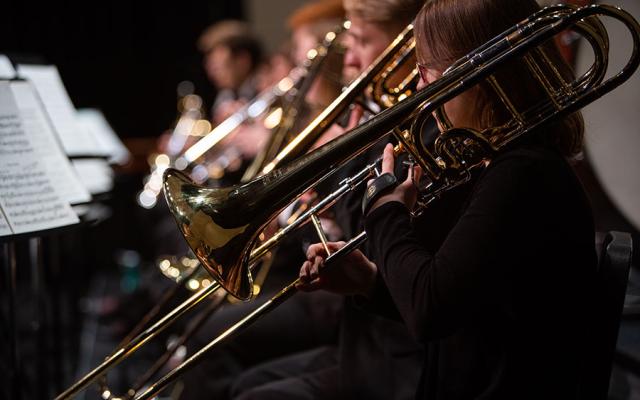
x=613 y=274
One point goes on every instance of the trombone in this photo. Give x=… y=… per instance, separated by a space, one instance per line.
x=384 y=67
x=447 y=161
x=224 y=242
x=293 y=86
x=315 y=66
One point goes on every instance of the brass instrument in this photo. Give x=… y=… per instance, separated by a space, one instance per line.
x=375 y=79
x=256 y=107
x=205 y=215
x=287 y=90
x=223 y=238
x=314 y=65
x=190 y=123
x=387 y=63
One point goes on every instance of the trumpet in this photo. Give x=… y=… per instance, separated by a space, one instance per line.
x=224 y=241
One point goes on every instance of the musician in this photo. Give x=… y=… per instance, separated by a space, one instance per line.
x=502 y=305
x=232 y=56
x=375 y=357
x=308 y=25
x=304 y=322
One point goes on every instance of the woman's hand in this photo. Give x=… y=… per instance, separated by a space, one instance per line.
x=406 y=192
x=351 y=274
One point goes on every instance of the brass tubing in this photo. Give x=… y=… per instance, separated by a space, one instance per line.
x=244 y=323
x=116 y=357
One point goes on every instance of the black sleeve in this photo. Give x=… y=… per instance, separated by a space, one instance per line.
x=439 y=292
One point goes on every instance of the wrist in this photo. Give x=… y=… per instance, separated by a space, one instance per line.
x=387 y=198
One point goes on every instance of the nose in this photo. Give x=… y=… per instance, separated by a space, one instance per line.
x=351 y=59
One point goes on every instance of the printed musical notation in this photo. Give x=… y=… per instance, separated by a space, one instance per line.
x=43 y=140
x=29 y=201
x=12 y=138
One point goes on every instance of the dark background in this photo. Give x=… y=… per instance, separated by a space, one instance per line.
x=124 y=57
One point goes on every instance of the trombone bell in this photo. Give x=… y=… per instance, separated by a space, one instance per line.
x=214 y=238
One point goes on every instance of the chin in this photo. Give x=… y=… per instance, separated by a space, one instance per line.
x=349 y=74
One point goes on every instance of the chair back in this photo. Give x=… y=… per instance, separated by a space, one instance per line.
x=613 y=274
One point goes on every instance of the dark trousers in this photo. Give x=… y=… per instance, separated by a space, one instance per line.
x=310 y=375
x=307 y=320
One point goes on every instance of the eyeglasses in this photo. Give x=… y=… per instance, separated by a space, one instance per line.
x=422 y=70
x=426 y=69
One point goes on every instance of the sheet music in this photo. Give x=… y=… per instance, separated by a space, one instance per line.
x=95 y=174
x=93 y=120
x=6 y=68
x=38 y=129
x=46 y=79
x=28 y=200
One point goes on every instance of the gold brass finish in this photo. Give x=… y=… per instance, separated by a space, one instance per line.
x=396 y=55
x=446 y=162
x=222 y=225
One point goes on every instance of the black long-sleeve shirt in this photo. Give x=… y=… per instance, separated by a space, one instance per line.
x=503 y=304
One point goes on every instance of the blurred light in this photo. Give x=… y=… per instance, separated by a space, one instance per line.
x=285 y=84
x=206 y=283
x=273 y=119
x=216 y=171
x=162 y=160
x=256 y=108
x=201 y=127
x=192 y=102
x=147 y=199
x=193 y=284
x=181 y=163
x=311 y=54
x=200 y=173
x=164 y=264
x=181 y=352
x=155 y=183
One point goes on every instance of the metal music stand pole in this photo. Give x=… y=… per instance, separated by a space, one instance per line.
x=10 y=279
x=39 y=321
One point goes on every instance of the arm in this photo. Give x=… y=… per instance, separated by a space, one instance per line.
x=440 y=292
